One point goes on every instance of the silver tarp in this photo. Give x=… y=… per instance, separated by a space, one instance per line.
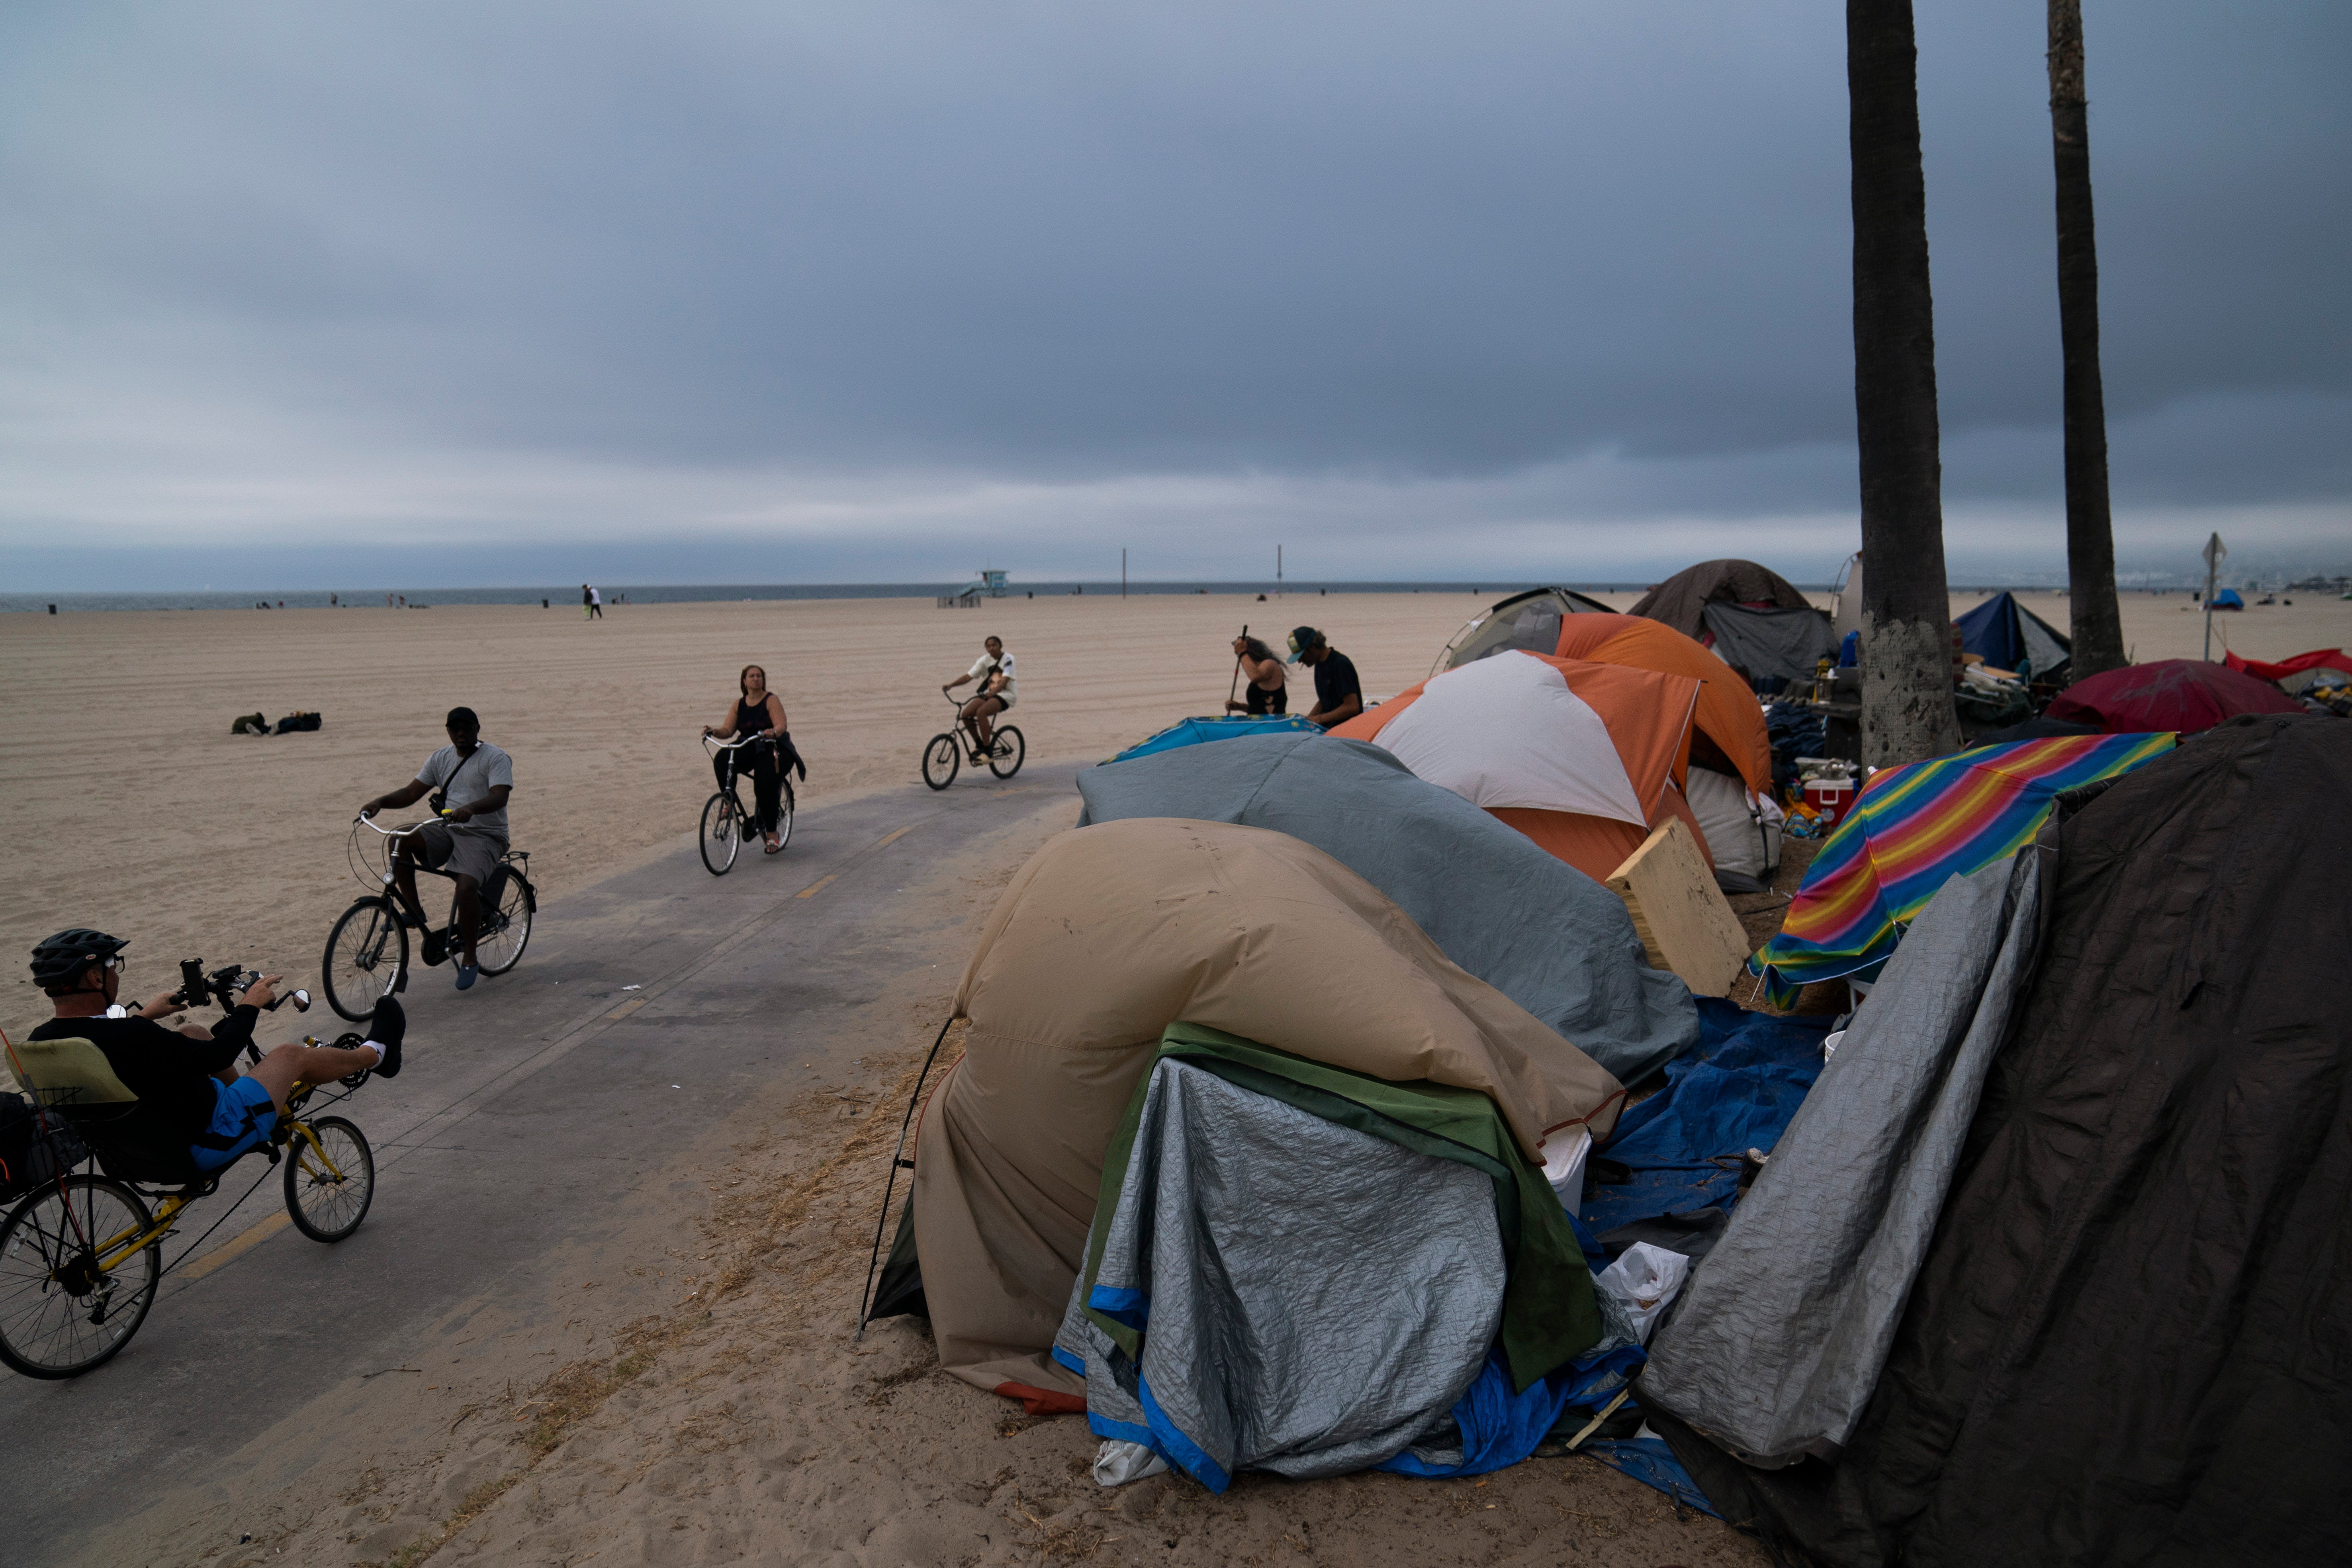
x=1317 y=1298
x=1776 y=1341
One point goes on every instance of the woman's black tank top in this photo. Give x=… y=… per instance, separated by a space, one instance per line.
x=751 y=718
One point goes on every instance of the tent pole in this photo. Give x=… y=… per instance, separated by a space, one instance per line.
x=898 y=1159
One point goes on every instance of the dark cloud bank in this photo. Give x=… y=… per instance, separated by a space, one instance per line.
x=291 y=294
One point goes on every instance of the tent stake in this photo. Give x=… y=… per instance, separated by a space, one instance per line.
x=898 y=1156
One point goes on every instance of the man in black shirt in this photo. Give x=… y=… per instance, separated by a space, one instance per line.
x=186 y=1079
x=1339 y=695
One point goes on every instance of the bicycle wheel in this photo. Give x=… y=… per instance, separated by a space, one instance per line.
x=941 y=759
x=722 y=832
x=60 y=1313
x=367 y=954
x=327 y=1205
x=508 y=904
x=1005 y=750
x=784 y=817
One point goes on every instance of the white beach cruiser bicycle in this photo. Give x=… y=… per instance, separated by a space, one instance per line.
x=367 y=951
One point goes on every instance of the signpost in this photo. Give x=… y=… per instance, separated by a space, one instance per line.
x=2215 y=553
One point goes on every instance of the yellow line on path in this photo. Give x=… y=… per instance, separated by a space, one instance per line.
x=894 y=838
x=816 y=887
x=627 y=1008
x=229 y=1252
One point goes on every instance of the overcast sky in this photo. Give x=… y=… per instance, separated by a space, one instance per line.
x=295 y=295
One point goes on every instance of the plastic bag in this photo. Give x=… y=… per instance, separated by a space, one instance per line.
x=1117 y=1463
x=1645 y=1280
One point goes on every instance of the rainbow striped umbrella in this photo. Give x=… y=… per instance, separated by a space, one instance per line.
x=1916 y=827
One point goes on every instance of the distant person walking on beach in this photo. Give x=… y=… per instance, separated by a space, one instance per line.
x=760 y=711
x=1266 y=692
x=993 y=670
x=1339 y=695
x=470 y=782
x=592 y=604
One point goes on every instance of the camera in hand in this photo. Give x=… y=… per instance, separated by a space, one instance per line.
x=227 y=986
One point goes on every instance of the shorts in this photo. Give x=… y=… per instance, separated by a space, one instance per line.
x=244 y=1114
x=1004 y=696
x=459 y=848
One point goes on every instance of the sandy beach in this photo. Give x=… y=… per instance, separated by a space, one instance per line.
x=127 y=804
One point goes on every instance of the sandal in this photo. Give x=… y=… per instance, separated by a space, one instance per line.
x=773 y=848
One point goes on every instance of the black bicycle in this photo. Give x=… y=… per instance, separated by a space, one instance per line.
x=367 y=951
x=945 y=750
x=724 y=820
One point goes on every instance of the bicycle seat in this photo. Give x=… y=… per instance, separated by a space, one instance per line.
x=73 y=1078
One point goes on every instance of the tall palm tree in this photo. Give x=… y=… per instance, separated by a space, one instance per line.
x=1907 y=638
x=2098 y=630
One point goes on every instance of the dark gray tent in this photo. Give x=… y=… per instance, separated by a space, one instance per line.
x=1533 y=927
x=1781 y=646
x=2124 y=1338
x=1682 y=599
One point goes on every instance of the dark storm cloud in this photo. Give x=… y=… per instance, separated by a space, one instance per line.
x=263 y=256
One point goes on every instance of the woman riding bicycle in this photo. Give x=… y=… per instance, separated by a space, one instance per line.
x=758 y=712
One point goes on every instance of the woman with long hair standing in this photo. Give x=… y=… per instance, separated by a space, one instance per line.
x=758 y=712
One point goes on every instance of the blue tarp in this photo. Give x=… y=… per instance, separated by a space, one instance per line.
x=1733 y=1091
x=2227 y=599
x=1499 y=1427
x=1651 y=1462
x=1194 y=732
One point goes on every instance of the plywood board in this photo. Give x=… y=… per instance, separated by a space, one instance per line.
x=1685 y=923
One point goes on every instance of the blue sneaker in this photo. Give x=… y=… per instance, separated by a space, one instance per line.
x=467 y=976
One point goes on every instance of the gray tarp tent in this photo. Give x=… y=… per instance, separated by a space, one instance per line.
x=1786 y=645
x=1776 y=1344
x=1536 y=929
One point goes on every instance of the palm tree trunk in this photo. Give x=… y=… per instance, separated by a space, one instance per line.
x=1907 y=639
x=2098 y=632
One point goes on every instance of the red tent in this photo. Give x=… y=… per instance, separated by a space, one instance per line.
x=2186 y=695
x=2339 y=658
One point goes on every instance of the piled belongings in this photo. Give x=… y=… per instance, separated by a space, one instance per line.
x=1986 y=697
x=2013 y=639
x=1749 y=615
x=1578 y=756
x=1231 y=1130
x=1796 y=729
x=1194 y=732
x=1729 y=785
x=1530 y=621
x=1550 y=939
x=2049 y=1267
x=2184 y=695
x=1916 y=827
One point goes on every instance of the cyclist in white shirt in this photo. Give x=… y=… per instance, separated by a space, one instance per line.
x=998 y=689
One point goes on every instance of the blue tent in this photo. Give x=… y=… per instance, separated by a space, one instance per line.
x=2008 y=636
x=2227 y=599
x=1194 y=732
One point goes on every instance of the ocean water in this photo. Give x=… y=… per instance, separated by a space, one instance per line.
x=677 y=594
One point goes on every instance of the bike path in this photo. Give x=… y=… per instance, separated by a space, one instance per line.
x=536 y=1134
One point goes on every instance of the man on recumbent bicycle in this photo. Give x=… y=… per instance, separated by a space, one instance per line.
x=470 y=780
x=186 y=1079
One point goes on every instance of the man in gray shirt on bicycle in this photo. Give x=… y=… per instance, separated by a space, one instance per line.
x=469 y=780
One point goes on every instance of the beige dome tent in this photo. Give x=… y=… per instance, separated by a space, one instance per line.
x=1109 y=934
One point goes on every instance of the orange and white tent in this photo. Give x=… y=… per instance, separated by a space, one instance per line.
x=1728 y=711
x=1583 y=758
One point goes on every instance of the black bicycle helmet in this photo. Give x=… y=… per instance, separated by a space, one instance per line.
x=63 y=957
